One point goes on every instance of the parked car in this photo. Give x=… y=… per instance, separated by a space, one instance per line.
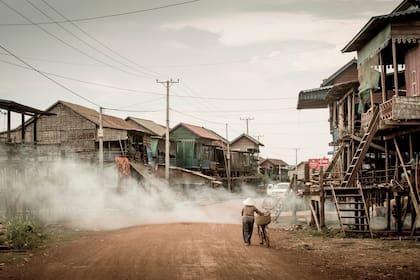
x=279 y=189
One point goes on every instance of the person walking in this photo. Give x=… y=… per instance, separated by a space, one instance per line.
x=248 y=219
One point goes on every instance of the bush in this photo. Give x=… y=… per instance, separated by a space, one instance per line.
x=23 y=234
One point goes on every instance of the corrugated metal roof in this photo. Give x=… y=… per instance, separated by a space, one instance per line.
x=313 y=98
x=252 y=139
x=339 y=90
x=199 y=131
x=327 y=81
x=93 y=116
x=152 y=127
x=20 y=108
x=275 y=161
x=374 y=25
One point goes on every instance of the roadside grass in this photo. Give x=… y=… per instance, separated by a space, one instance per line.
x=24 y=237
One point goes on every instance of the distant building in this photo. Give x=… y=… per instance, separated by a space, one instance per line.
x=198 y=148
x=244 y=151
x=71 y=131
x=275 y=169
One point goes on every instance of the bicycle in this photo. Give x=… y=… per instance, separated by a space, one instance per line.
x=262 y=224
x=274 y=204
x=263 y=234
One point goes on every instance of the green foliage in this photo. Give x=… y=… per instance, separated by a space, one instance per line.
x=23 y=234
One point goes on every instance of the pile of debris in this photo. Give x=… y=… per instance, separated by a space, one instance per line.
x=294 y=228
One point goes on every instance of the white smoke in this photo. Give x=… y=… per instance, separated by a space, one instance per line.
x=78 y=194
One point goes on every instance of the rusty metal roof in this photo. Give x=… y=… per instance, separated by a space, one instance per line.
x=252 y=139
x=151 y=127
x=199 y=131
x=93 y=116
x=20 y=108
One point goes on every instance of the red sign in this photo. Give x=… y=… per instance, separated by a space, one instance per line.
x=316 y=163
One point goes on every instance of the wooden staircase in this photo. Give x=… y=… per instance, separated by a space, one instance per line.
x=349 y=200
x=352 y=211
x=334 y=160
x=361 y=151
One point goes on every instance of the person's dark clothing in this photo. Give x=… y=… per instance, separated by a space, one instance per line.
x=248 y=222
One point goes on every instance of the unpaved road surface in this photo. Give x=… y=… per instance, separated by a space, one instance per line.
x=213 y=251
x=167 y=251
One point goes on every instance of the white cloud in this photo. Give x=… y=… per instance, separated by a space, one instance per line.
x=260 y=27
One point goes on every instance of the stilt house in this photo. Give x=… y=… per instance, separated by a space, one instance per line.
x=374 y=173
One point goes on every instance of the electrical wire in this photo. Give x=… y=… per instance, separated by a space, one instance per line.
x=194 y=117
x=136 y=111
x=106 y=16
x=88 y=82
x=49 y=78
x=65 y=43
x=52 y=61
x=100 y=42
x=82 y=40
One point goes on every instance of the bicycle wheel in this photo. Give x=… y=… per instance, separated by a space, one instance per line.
x=260 y=234
x=266 y=237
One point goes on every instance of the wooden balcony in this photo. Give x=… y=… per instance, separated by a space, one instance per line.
x=365 y=119
x=401 y=108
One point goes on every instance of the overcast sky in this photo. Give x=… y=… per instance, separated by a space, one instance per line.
x=226 y=53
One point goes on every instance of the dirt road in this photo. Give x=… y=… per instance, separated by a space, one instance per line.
x=167 y=251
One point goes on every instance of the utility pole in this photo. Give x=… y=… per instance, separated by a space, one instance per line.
x=167 y=84
x=247 y=122
x=228 y=160
x=258 y=137
x=101 y=140
x=296 y=154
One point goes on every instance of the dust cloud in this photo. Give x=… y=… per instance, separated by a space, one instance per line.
x=79 y=195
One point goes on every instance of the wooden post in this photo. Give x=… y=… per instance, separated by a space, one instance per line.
x=349 y=117
x=398 y=212
x=353 y=113
x=321 y=198
x=388 y=211
x=386 y=162
x=9 y=139
x=412 y=193
x=340 y=119
x=410 y=144
x=383 y=75
x=314 y=215
x=395 y=65
x=22 y=131
x=371 y=100
x=294 y=188
x=35 y=138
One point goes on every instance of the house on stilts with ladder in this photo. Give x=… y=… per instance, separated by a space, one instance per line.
x=374 y=105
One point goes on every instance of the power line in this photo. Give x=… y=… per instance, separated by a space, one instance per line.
x=86 y=82
x=143 y=102
x=236 y=99
x=158 y=93
x=53 y=61
x=47 y=77
x=105 y=16
x=135 y=111
x=194 y=117
x=80 y=39
x=65 y=43
x=97 y=41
